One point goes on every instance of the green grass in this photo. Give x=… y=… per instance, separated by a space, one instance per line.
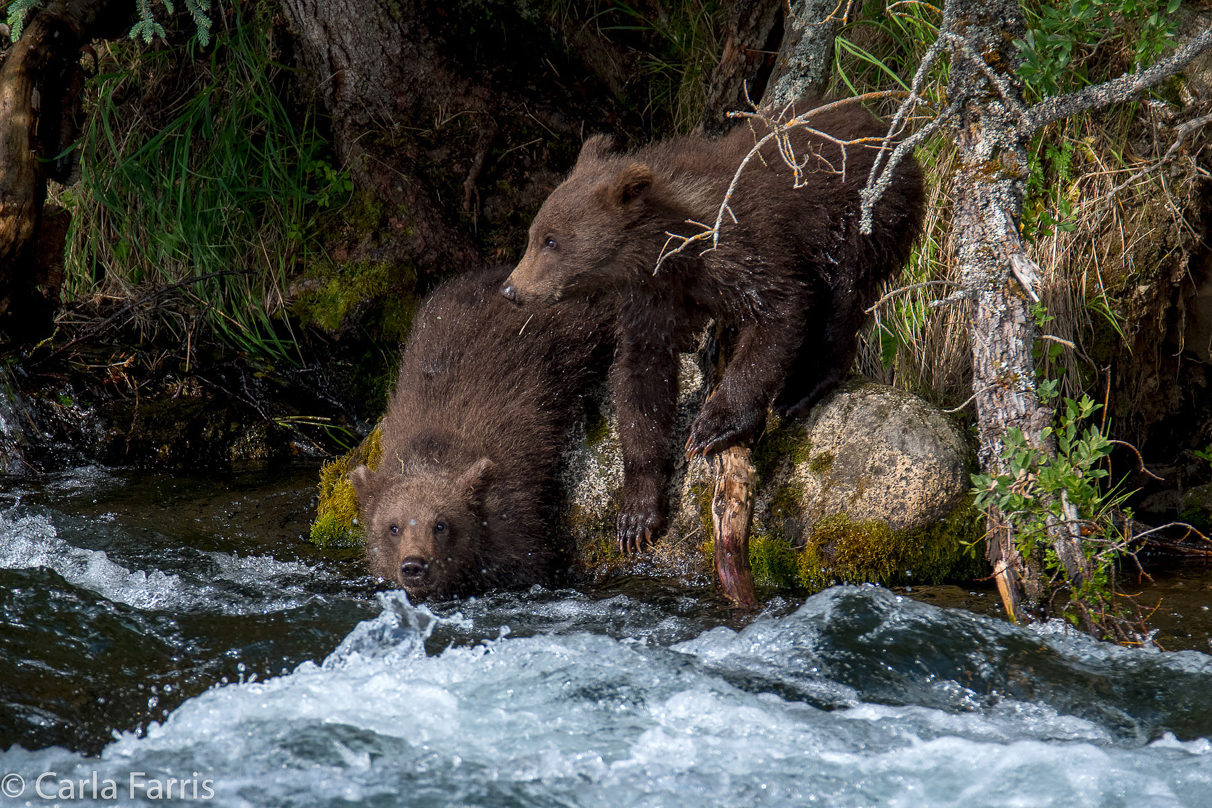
x=196 y=172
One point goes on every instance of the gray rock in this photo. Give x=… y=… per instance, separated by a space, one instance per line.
x=12 y=433
x=871 y=452
x=878 y=453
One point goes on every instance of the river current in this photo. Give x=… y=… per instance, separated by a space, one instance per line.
x=168 y=641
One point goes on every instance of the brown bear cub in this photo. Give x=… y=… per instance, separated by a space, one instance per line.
x=792 y=275
x=464 y=497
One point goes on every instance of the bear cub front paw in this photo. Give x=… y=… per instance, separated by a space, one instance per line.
x=641 y=516
x=720 y=427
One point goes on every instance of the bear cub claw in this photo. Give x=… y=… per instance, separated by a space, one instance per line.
x=641 y=515
x=718 y=428
x=636 y=531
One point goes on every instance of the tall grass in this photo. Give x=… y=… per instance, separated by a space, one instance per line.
x=195 y=172
x=685 y=40
x=1087 y=244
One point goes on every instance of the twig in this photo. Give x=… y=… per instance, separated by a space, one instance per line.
x=1189 y=528
x=909 y=288
x=1064 y=342
x=101 y=326
x=1139 y=460
x=954 y=297
x=971 y=398
x=878 y=182
x=778 y=130
x=1184 y=130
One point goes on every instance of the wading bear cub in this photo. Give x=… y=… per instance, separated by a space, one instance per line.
x=792 y=275
x=464 y=495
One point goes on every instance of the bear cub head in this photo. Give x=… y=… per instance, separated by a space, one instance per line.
x=583 y=239
x=425 y=530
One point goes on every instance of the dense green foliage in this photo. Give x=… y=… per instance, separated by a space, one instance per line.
x=217 y=187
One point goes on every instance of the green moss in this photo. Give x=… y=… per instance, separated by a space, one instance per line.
x=337 y=509
x=821 y=463
x=597 y=428
x=333 y=291
x=365 y=214
x=786 y=502
x=595 y=530
x=785 y=439
x=774 y=562
x=843 y=550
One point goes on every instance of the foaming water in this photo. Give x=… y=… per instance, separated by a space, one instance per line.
x=249 y=670
x=587 y=719
x=215 y=583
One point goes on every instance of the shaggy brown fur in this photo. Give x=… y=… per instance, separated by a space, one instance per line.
x=463 y=497
x=793 y=276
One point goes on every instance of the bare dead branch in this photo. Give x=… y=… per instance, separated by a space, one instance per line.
x=1140 y=461
x=779 y=130
x=955 y=297
x=968 y=401
x=1115 y=91
x=877 y=184
x=908 y=288
x=1167 y=158
x=1053 y=338
x=1190 y=530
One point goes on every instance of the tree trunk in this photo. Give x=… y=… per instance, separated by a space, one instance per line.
x=755 y=29
x=381 y=72
x=46 y=60
x=988 y=191
x=455 y=126
x=806 y=55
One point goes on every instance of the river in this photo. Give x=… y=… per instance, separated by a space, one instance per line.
x=169 y=640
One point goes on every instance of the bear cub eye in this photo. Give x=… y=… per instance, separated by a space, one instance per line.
x=549 y=243
x=439 y=527
x=394 y=529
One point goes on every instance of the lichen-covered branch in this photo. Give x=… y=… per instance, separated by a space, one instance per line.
x=1116 y=91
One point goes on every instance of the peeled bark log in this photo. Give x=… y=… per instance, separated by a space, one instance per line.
x=731 y=511
x=805 y=57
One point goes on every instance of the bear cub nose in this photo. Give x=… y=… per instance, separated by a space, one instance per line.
x=414 y=569
x=510 y=293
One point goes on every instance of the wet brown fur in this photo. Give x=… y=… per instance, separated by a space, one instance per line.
x=792 y=275
x=471 y=439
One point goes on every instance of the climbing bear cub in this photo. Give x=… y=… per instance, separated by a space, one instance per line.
x=464 y=495
x=791 y=274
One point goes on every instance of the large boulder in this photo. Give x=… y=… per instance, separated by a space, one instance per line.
x=872 y=487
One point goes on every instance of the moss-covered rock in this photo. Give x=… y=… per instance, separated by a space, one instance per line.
x=374 y=298
x=336 y=522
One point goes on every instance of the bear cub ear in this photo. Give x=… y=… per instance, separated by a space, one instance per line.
x=595 y=148
x=632 y=181
x=365 y=484
x=474 y=482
